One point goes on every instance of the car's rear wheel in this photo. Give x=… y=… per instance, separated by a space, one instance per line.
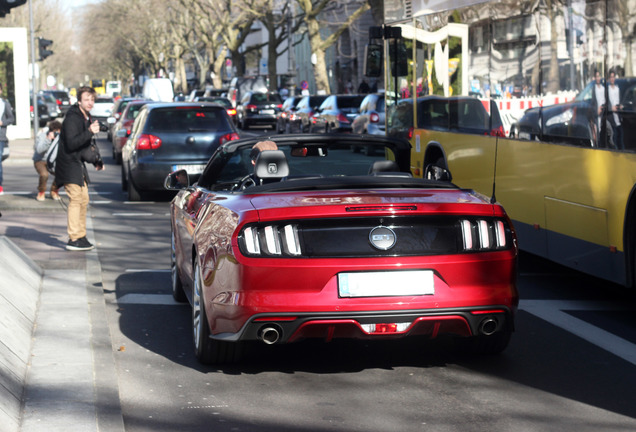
x=177 y=286
x=124 y=182
x=133 y=192
x=207 y=350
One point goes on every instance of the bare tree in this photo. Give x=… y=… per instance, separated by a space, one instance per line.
x=318 y=43
x=50 y=21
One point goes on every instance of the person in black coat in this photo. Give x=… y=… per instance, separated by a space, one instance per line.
x=76 y=141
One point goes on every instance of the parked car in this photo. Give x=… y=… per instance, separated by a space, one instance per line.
x=238 y=87
x=336 y=113
x=305 y=111
x=103 y=108
x=287 y=114
x=123 y=127
x=115 y=115
x=51 y=105
x=170 y=136
x=43 y=112
x=223 y=101
x=577 y=122
x=62 y=99
x=194 y=94
x=371 y=119
x=310 y=241
x=258 y=109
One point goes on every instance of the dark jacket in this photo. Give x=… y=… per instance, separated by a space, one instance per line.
x=7 y=119
x=75 y=136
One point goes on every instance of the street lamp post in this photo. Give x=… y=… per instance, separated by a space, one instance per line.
x=34 y=86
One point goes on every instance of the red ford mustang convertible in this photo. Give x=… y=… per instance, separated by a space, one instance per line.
x=304 y=238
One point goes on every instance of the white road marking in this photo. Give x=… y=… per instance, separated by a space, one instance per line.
x=553 y=311
x=133 y=214
x=147 y=270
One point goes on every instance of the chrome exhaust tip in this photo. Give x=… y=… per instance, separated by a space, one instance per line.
x=269 y=335
x=488 y=326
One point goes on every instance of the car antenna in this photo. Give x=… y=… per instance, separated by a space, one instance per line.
x=493 y=199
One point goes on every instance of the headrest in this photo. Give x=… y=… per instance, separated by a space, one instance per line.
x=271 y=164
x=384 y=166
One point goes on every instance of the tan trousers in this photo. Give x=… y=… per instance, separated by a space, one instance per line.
x=43 y=173
x=77 y=207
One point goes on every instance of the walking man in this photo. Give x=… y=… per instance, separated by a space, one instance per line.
x=77 y=136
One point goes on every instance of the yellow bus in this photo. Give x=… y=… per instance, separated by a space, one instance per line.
x=99 y=85
x=531 y=103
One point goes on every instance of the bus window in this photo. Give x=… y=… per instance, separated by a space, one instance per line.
x=489 y=69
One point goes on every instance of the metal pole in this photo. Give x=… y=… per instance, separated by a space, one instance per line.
x=290 y=53
x=34 y=83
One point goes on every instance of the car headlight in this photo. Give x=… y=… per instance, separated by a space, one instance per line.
x=562 y=118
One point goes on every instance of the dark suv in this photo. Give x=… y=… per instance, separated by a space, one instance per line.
x=61 y=98
x=259 y=109
x=167 y=137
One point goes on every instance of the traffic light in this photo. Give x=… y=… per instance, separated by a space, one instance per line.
x=43 y=44
x=7 y=5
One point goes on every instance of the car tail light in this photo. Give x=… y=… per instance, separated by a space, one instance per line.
x=251 y=107
x=483 y=235
x=342 y=118
x=279 y=106
x=374 y=118
x=228 y=137
x=410 y=133
x=58 y=101
x=270 y=240
x=148 y=142
x=231 y=112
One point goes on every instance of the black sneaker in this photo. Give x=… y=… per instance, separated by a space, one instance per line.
x=81 y=244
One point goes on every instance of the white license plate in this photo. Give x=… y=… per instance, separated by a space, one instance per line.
x=386 y=284
x=191 y=169
x=266 y=111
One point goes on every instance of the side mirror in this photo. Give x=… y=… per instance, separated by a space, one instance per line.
x=434 y=172
x=111 y=120
x=177 y=180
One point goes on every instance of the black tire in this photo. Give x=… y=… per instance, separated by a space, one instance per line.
x=177 y=287
x=124 y=182
x=207 y=350
x=133 y=192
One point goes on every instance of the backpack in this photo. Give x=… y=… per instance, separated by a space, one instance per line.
x=51 y=155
